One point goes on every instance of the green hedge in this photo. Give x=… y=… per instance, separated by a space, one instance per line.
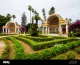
x=78 y=50
x=42 y=39
x=6 y=50
x=43 y=45
x=71 y=55
x=61 y=57
x=39 y=39
x=53 y=51
x=18 y=49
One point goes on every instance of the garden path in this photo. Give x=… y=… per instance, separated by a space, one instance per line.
x=27 y=48
x=11 y=51
x=2 y=47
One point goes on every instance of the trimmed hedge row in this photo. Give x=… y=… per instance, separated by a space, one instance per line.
x=18 y=49
x=78 y=50
x=40 y=39
x=6 y=50
x=53 y=51
x=68 y=56
x=43 y=45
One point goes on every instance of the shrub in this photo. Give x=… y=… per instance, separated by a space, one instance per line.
x=61 y=57
x=70 y=55
x=78 y=50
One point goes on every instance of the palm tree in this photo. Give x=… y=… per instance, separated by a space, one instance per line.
x=33 y=11
x=30 y=9
x=44 y=15
x=52 y=11
x=33 y=15
x=8 y=17
x=13 y=17
x=36 y=17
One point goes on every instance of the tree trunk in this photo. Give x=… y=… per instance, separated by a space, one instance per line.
x=30 y=19
x=37 y=23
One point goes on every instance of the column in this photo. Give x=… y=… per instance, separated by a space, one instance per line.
x=60 y=30
x=3 y=30
x=18 y=30
x=15 y=29
x=66 y=29
x=6 y=30
x=46 y=29
x=42 y=30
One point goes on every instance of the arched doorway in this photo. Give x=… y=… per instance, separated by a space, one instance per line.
x=11 y=27
x=53 y=22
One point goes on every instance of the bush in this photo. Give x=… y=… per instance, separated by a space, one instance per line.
x=61 y=57
x=70 y=55
x=34 y=31
x=77 y=34
x=78 y=50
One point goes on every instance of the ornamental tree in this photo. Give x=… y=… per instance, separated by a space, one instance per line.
x=23 y=29
x=75 y=27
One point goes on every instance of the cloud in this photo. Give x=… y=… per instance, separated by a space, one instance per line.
x=66 y=8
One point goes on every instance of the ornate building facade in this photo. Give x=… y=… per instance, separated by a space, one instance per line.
x=11 y=28
x=55 y=24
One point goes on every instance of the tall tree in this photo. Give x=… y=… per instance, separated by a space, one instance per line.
x=52 y=11
x=44 y=14
x=33 y=11
x=4 y=20
x=8 y=16
x=30 y=9
x=13 y=16
x=24 y=19
x=37 y=17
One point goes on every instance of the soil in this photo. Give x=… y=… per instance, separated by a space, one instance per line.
x=27 y=48
x=11 y=51
x=2 y=47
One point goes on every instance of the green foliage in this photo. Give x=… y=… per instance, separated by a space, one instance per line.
x=34 y=31
x=71 y=55
x=24 y=19
x=28 y=41
x=53 y=51
x=42 y=45
x=52 y=11
x=6 y=50
x=78 y=50
x=18 y=49
x=61 y=57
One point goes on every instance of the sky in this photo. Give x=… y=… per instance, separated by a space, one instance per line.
x=65 y=8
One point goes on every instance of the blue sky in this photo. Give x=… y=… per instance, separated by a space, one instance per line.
x=66 y=8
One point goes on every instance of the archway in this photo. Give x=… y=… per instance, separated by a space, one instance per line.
x=11 y=27
x=53 y=22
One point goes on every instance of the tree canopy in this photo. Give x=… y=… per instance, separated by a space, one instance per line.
x=52 y=11
x=24 y=19
x=75 y=27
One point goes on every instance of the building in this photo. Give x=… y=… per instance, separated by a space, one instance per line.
x=11 y=28
x=55 y=24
